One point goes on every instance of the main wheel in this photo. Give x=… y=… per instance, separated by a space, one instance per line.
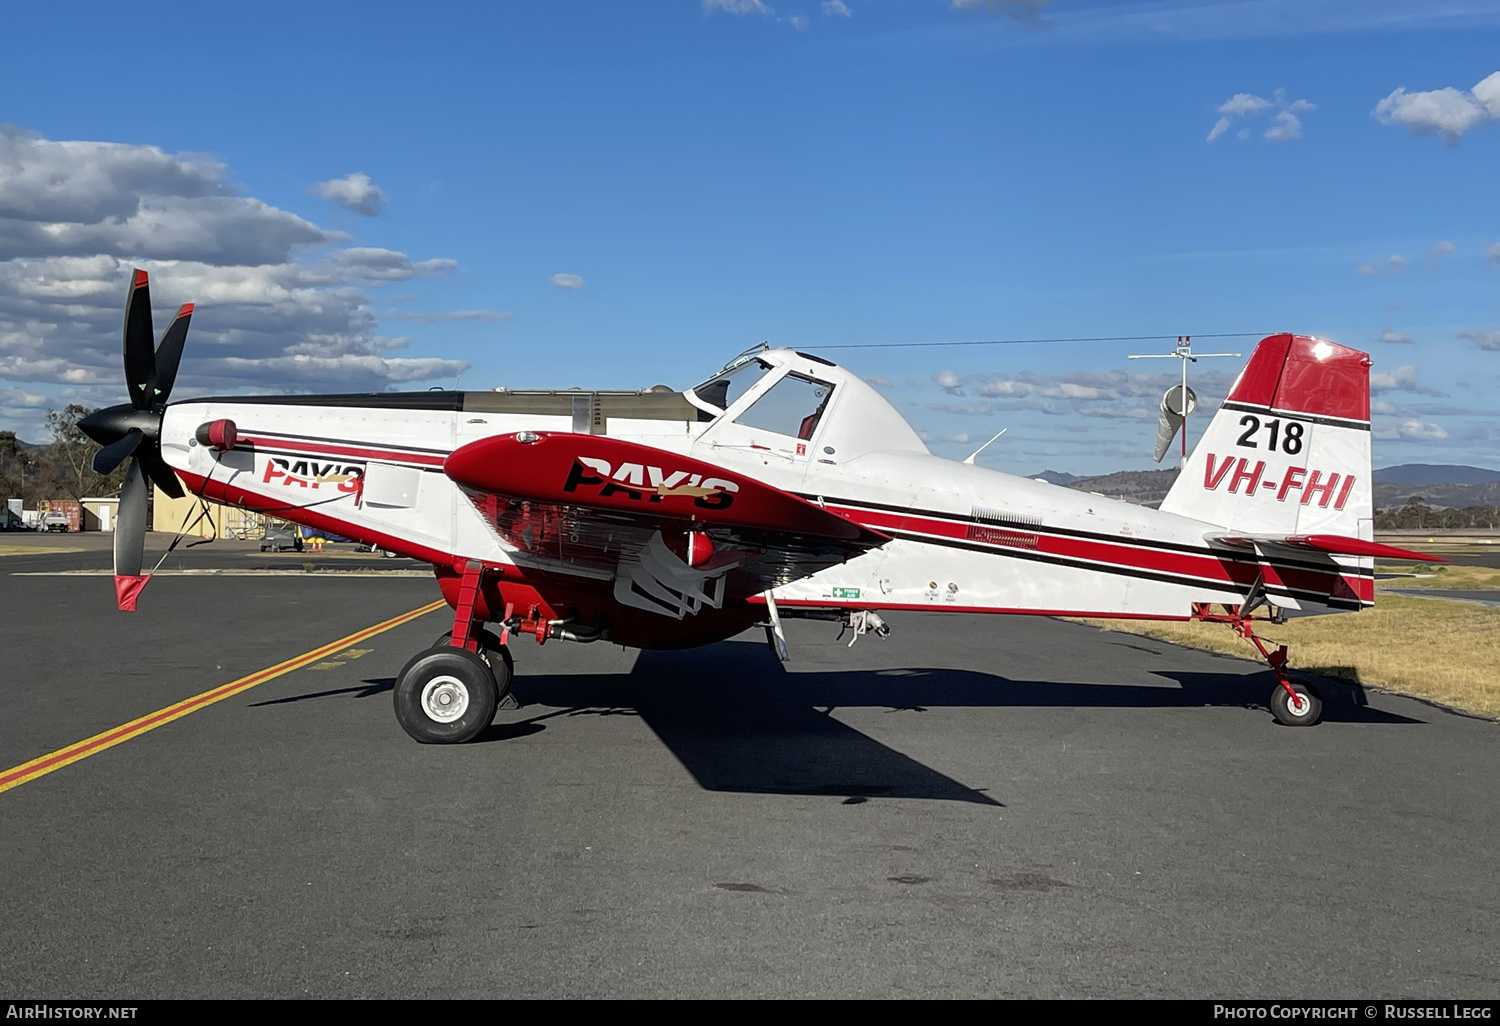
x=1302 y=711
x=446 y=696
x=494 y=653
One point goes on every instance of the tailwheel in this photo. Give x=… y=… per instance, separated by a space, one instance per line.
x=446 y=696
x=1296 y=704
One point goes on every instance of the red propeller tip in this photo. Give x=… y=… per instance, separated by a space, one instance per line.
x=186 y=311
x=141 y=278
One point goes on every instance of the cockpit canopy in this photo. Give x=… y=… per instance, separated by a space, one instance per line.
x=805 y=398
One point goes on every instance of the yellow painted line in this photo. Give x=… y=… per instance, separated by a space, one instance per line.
x=27 y=771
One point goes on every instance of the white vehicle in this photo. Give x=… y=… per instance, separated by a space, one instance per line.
x=781 y=486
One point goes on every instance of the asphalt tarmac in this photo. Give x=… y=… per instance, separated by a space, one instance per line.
x=34 y=552
x=975 y=807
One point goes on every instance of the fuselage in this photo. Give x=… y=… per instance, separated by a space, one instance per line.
x=962 y=537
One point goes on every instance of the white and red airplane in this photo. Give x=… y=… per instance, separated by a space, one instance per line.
x=783 y=485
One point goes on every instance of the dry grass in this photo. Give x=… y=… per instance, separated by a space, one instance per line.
x=1445 y=651
x=32 y=550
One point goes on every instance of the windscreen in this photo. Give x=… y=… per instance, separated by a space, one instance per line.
x=792 y=407
x=724 y=388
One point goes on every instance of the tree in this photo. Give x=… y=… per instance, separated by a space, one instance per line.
x=71 y=453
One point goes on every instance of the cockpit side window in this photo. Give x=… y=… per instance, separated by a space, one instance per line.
x=792 y=407
x=723 y=390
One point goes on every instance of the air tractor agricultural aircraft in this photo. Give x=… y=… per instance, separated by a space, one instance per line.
x=782 y=486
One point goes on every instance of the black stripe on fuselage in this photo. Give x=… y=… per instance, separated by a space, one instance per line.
x=1112 y=539
x=441 y=401
x=351 y=442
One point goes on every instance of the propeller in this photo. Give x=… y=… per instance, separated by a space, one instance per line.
x=134 y=429
x=1173 y=413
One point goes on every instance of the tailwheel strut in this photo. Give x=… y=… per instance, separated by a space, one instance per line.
x=1294 y=703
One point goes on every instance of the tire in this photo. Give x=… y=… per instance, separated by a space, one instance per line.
x=1286 y=715
x=496 y=655
x=452 y=679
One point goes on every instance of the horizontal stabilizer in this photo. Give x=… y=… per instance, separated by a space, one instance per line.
x=1333 y=544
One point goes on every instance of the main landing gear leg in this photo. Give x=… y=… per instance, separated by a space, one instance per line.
x=1293 y=703
x=449 y=693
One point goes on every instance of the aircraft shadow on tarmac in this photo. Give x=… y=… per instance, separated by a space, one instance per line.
x=738 y=723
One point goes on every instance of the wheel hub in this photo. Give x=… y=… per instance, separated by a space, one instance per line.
x=445 y=699
x=1297 y=703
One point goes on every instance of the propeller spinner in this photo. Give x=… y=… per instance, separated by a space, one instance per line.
x=134 y=429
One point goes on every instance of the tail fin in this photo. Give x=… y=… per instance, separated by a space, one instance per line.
x=1289 y=451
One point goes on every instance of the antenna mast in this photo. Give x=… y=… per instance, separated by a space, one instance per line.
x=1183 y=352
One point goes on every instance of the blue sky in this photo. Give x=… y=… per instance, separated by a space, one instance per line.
x=713 y=174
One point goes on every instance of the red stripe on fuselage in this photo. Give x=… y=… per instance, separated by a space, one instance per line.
x=1206 y=568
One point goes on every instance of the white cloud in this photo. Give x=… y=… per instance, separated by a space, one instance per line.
x=75 y=217
x=1493 y=252
x=879 y=382
x=1421 y=431
x=1287 y=128
x=1483 y=339
x=832 y=8
x=487 y=316
x=352 y=192
x=1401 y=379
x=1247 y=105
x=94 y=198
x=1447 y=113
x=1379 y=269
x=737 y=7
x=1019 y=10
x=1387 y=335
x=1114 y=394
x=797 y=21
x=1240 y=104
x=1442 y=249
x=567 y=281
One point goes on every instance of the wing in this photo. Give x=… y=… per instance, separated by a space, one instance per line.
x=674 y=533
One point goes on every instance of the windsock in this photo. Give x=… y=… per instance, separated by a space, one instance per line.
x=1172 y=416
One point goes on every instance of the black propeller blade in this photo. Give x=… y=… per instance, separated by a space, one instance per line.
x=135 y=429
x=156 y=468
x=111 y=456
x=130 y=524
x=140 y=343
x=169 y=353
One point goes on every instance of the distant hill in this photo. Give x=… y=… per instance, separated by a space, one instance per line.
x=1435 y=473
x=1453 y=496
x=1147 y=487
x=1056 y=477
